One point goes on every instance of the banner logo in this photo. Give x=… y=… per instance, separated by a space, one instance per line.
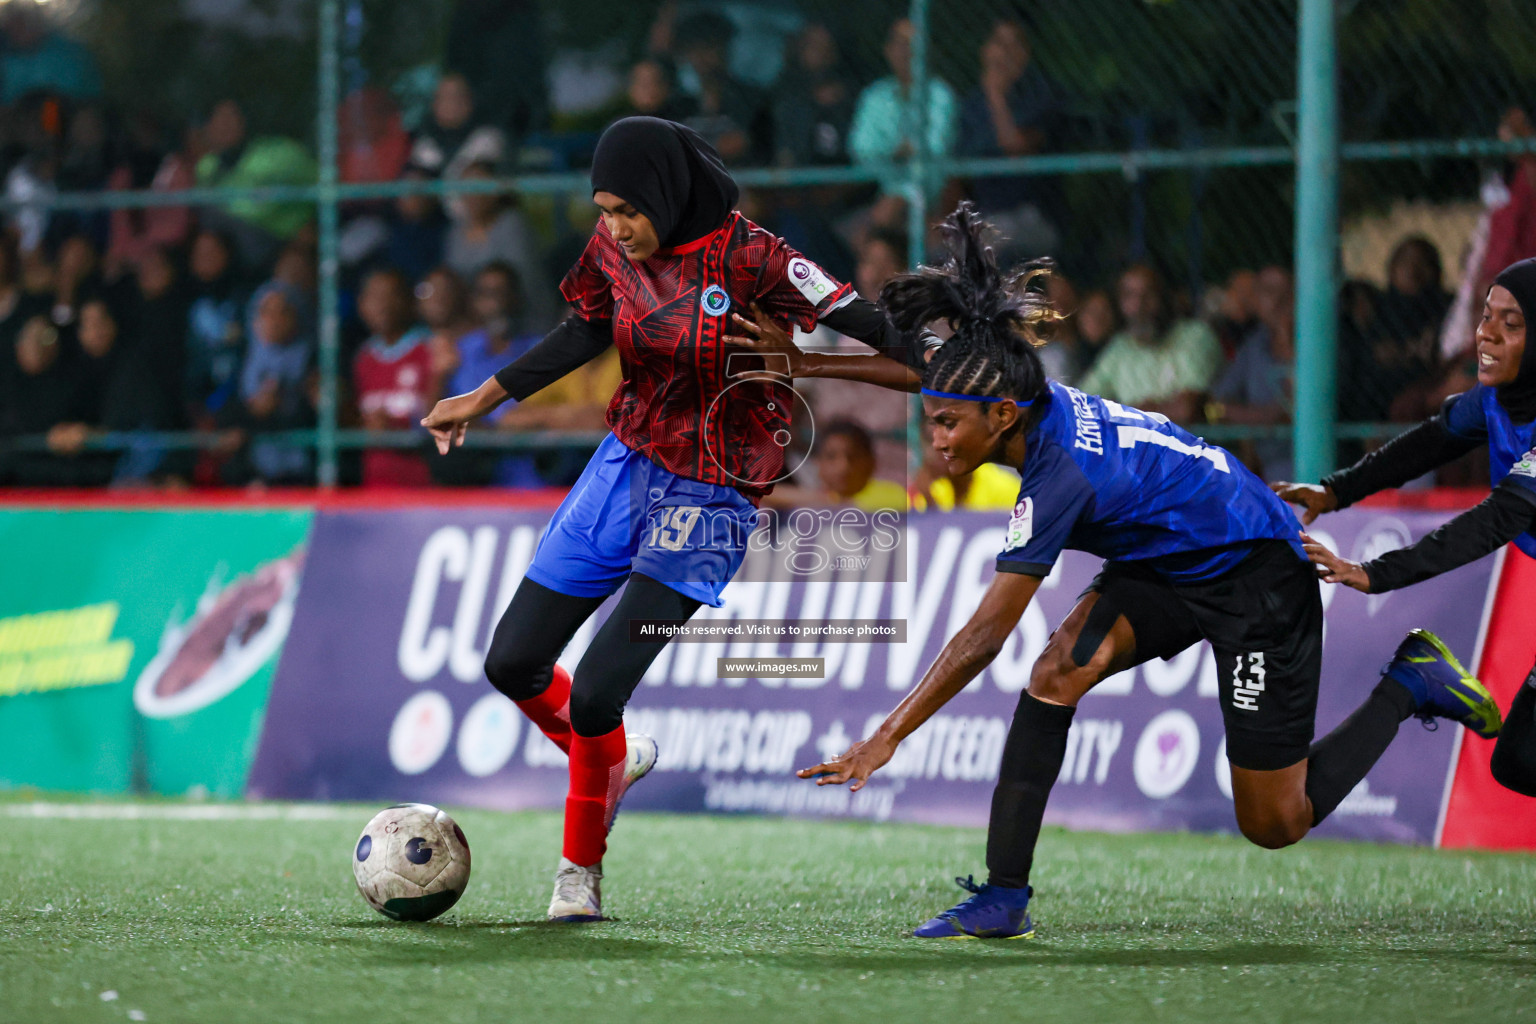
x=420 y=732
x=1166 y=754
x=234 y=631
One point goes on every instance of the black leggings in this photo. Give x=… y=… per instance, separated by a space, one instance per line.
x=1514 y=756
x=539 y=623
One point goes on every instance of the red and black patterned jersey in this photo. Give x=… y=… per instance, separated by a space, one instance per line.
x=679 y=405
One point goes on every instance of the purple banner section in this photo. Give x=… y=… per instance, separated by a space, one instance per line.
x=380 y=694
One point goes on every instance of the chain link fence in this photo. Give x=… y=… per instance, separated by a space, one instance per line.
x=411 y=177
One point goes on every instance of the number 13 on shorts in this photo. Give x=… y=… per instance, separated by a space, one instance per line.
x=1245 y=691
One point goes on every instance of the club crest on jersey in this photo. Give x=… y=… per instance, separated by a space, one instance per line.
x=1021 y=525
x=715 y=301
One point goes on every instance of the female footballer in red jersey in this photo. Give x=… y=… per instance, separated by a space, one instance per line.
x=665 y=506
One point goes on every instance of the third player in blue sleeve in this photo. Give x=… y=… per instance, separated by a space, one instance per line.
x=1499 y=412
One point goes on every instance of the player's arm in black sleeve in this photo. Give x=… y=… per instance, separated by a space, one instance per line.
x=1501 y=517
x=1406 y=457
x=574 y=342
x=869 y=322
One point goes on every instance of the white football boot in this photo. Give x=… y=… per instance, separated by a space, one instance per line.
x=578 y=893
x=578 y=890
x=639 y=759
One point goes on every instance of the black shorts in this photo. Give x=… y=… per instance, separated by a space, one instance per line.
x=1264 y=620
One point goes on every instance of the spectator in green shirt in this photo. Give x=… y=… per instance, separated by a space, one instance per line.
x=1156 y=363
x=234 y=160
x=886 y=120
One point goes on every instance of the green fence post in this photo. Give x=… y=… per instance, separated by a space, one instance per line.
x=919 y=165
x=330 y=326
x=1317 y=232
x=917 y=194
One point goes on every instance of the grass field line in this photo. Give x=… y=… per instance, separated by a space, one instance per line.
x=176 y=812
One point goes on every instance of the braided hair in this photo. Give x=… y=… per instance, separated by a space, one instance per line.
x=998 y=319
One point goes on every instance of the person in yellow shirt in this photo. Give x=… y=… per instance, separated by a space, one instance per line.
x=844 y=459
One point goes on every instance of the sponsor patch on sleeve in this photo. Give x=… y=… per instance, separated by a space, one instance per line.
x=1021 y=525
x=1526 y=466
x=810 y=280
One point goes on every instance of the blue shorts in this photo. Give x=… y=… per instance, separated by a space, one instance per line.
x=627 y=514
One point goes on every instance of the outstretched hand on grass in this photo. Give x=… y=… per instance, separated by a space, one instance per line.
x=856 y=766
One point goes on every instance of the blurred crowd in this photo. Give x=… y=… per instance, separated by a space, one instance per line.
x=204 y=319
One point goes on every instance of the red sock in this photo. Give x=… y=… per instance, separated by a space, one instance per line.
x=551 y=710
x=597 y=772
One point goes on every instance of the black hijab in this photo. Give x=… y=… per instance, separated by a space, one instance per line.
x=1518 y=397
x=667 y=172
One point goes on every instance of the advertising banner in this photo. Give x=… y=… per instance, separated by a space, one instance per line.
x=1481 y=812
x=137 y=647
x=381 y=693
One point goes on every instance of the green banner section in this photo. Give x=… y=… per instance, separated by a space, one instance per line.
x=137 y=648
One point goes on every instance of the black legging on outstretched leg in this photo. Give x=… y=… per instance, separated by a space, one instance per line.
x=1514 y=755
x=538 y=624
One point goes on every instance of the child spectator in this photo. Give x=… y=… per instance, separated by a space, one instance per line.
x=495 y=299
x=392 y=377
x=1157 y=363
x=215 y=335
x=275 y=391
x=443 y=306
x=844 y=458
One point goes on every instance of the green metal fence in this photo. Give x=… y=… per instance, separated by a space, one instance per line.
x=1210 y=135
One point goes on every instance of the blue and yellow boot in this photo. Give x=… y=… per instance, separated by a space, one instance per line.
x=1440 y=687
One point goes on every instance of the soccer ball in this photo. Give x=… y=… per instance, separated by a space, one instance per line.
x=411 y=862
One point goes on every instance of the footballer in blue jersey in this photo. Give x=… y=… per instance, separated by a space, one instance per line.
x=1196 y=547
x=1499 y=412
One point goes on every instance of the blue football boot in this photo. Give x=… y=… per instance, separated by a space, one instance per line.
x=992 y=912
x=1441 y=688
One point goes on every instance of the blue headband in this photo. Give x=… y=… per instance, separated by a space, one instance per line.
x=969 y=398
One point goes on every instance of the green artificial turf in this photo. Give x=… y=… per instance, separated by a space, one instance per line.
x=747 y=919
